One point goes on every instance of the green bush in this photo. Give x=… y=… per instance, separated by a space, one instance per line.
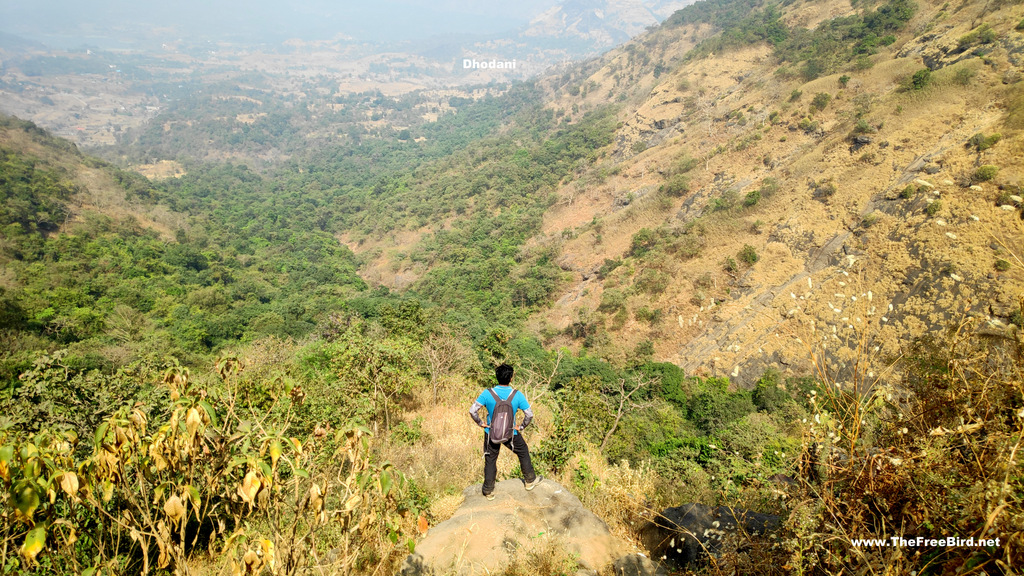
x=724 y=202
x=651 y=281
x=844 y=80
x=964 y=75
x=795 y=95
x=767 y=395
x=807 y=125
x=983 y=34
x=820 y=101
x=985 y=173
x=651 y=316
x=642 y=242
x=749 y=255
x=862 y=127
x=753 y=197
x=1002 y=265
x=683 y=164
x=981 y=142
x=676 y=186
x=908 y=192
x=920 y=80
x=612 y=300
x=933 y=208
x=711 y=411
x=729 y=265
x=869 y=220
x=607 y=267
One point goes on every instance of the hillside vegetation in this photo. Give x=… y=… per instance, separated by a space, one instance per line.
x=766 y=255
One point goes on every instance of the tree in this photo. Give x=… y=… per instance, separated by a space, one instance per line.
x=626 y=403
x=444 y=353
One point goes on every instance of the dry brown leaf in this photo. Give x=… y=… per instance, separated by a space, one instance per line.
x=69 y=483
x=174 y=508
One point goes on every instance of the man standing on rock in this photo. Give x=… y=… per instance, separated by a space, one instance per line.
x=493 y=398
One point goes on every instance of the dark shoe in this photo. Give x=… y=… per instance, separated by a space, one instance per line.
x=532 y=485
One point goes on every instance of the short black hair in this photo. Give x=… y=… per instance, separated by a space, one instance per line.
x=504 y=374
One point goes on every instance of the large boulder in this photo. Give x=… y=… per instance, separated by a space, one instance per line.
x=687 y=534
x=483 y=535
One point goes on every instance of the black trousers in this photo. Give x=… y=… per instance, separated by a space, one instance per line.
x=518 y=446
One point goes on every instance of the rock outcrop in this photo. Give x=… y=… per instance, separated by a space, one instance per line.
x=484 y=535
x=687 y=534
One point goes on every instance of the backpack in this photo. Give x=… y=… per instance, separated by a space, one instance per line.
x=503 y=419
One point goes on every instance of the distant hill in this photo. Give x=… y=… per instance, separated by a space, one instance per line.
x=603 y=23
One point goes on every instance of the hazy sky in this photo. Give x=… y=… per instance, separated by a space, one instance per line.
x=71 y=23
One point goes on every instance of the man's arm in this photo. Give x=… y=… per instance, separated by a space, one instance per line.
x=474 y=413
x=527 y=418
x=523 y=404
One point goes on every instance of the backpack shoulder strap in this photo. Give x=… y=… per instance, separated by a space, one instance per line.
x=512 y=395
x=494 y=395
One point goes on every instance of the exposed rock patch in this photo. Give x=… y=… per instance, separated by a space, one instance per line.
x=688 y=533
x=483 y=535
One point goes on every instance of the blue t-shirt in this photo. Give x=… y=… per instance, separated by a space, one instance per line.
x=518 y=403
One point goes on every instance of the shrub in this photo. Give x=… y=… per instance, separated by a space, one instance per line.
x=981 y=142
x=933 y=208
x=795 y=95
x=713 y=410
x=963 y=76
x=676 y=186
x=643 y=351
x=908 y=192
x=683 y=164
x=1020 y=26
x=1002 y=265
x=724 y=202
x=844 y=80
x=767 y=395
x=645 y=314
x=985 y=173
x=704 y=281
x=983 y=34
x=651 y=281
x=642 y=242
x=729 y=265
x=749 y=255
x=920 y=80
x=753 y=197
x=869 y=220
x=862 y=127
x=177 y=487
x=823 y=189
x=807 y=125
x=820 y=101
x=612 y=300
x=607 y=267
x=769 y=186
